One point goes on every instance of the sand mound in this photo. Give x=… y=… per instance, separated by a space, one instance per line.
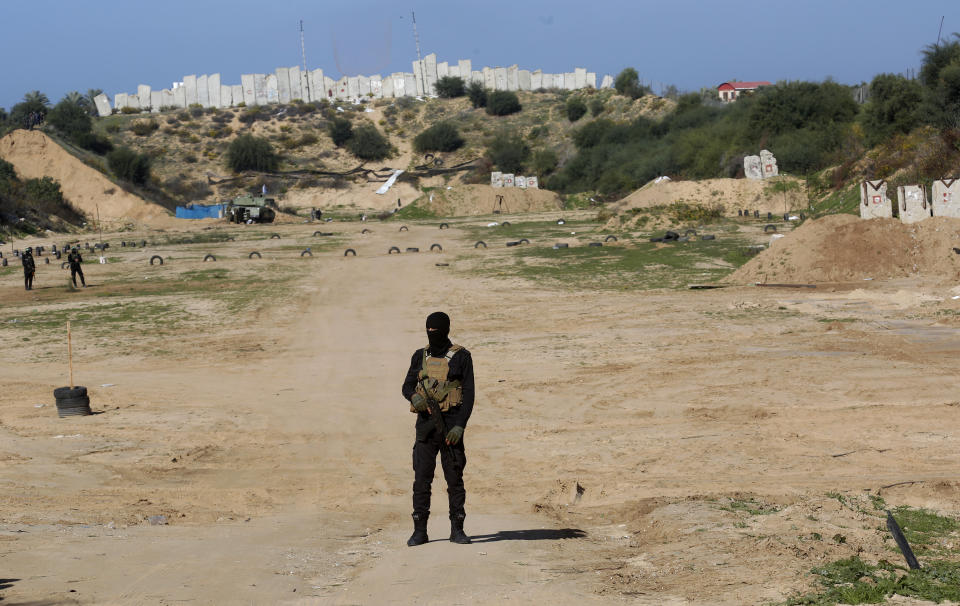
x=842 y=248
x=732 y=194
x=469 y=200
x=35 y=155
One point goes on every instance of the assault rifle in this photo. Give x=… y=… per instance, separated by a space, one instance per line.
x=434 y=407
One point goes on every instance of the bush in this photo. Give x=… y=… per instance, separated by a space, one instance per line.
x=893 y=107
x=576 y=108
x=502 y=103
x=442 y=136
x=247 y=152
x=129 y=110
x=544 y=162
x=43 y=190
x=596 y=107
x=508 y=153
x=628 y=84
x=341 y=131
x=477 y=94
x=144 y=128
x=128 y=165
x=368 y=144
x=449 y=87
x=98 y=144
x=70 y=119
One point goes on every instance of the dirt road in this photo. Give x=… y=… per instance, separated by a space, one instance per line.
x=651 y=446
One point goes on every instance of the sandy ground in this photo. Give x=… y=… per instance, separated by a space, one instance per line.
x=731 y=194
x=613 y=434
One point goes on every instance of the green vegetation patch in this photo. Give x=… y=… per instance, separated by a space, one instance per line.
x=853 y=581
x=923 y=528
x=750 y=506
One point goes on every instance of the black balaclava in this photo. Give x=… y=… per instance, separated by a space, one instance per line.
x=439 y=342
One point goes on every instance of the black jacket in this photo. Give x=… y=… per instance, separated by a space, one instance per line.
x=461 y=369
x=75 y=259
x=28 y=265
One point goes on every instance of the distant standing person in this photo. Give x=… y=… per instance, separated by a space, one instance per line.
x=29 y=268
x=74 y=259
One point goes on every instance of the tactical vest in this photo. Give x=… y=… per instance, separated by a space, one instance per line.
x=434 y=371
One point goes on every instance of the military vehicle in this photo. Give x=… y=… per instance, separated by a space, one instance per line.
x=251 y=209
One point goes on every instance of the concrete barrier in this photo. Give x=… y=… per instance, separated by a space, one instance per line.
x=103 y=105
x=946 y=198
x=143 y=96
x=213 y=90
x=296 y=83
x=752 y=167
x=282 y=75
x=913 y=205
x=874 y=202
x=768 y=164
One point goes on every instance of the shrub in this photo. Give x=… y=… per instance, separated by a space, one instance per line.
x=544 y=162
x=477 y=94
x=893 y=107
x=442 y=136
x=449 y=87
x=368 y=144
x=70 y=119
x=307 y=139
x=502 y=103
x=129 y=110
x=113 y=127
x=508 y=153
x=628 y=84
x=596 y=107
x=43 y=190
x=247 y=152
x=144 y=128
x=576 y=108
x=128 y=165
x=98 y=144
x=341 y=131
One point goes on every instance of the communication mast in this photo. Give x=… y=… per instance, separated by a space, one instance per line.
x=303 y=53
x=416 y=39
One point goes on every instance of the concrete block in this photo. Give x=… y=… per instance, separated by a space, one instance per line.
x=376 y=87
x=913 y=203
x=874 y=203
x=580 y=77
x=318 y=91
x=353 y=88
x=213 y=86
x=133 y=101
x=103 y=105
x=120 y=100
x=226 y=96
x=768 y=164
x=607 y=81
x=533 y=183
x=500 y=78
x=430 y=73
x=190 y=89
x=296 y=86
x=143 y=95
x=466 y=70
x=508 y=179
x=548 y=81
x=496 y=179
x=249 y=96
x=476 y=76
x=420 y=80
x=305 y=86
x=513 y=78
x=524 y=80
x=591 y=79
x=490 y=78
x=236 y=95
x=752 y=167
x=260 y=94
x=454 y=71
x=520 y=181
x=946 y=198
x=443 y=70
x=273 y=88
x=180 y=96
x=363 y=87
x=156 y=100
x=282 y=75
x=536 y=80
x=167 y=99
x=386 y=87
x=203 y=92
x=330 y=88
x=558 y=81
x=343 y=89
x=570 y=80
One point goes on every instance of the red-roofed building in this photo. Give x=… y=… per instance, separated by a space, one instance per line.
x=730 y=91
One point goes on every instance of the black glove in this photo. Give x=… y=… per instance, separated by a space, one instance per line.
x=454 y=435
x=418 y=402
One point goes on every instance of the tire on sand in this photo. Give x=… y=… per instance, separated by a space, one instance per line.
x=156 y=258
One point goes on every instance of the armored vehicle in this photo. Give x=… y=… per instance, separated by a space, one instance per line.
x=252 y=209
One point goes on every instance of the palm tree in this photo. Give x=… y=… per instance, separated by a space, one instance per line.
x=93 y=93
x=36 y=96
x=75 y=98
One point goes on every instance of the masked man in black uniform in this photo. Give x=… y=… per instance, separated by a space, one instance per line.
x=443 y=372
x=75 y=260
x=29 y=268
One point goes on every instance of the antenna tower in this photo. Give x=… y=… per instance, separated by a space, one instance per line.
x=416 y=39
x=303 y=53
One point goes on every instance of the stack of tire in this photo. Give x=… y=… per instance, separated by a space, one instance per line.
x=72 y=401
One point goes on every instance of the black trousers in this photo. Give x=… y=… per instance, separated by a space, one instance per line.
x=74 y=272
x=28 y=280
x=452 y=460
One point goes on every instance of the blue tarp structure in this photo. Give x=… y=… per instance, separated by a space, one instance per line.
x=201 y=212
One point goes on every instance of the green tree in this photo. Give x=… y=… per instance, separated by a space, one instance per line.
x=92 y=93
x=45 y=189
x=76 y=98
x=893 y=107
x=508 y=153
x=449 y=87
x=627 y=83
x=36 y=96
x=596 y=106
x=442 y=136
x=502 y=103
x=34 y=103
x=341 y=131
x=576 y=108
x=129 y=165
x=368 y=144
x=940 y=76
x=247 y=152
x=544 y=162
x=477 y=94
x=70 y=118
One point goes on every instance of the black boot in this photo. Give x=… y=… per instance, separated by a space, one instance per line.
x=419 y=536
x=457 y=535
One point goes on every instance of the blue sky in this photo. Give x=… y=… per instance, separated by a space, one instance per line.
x=59 y=46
